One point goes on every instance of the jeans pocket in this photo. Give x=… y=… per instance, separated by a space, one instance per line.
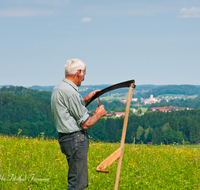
x=80 y=137
x=67 y=147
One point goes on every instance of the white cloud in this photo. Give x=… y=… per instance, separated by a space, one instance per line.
x=24 y=12
x=189 y=13
x=86 y=19
x=40 y=2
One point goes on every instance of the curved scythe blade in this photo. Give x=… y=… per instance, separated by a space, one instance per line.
x=110 y=88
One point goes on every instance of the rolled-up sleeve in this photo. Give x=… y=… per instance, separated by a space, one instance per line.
x=77 y=109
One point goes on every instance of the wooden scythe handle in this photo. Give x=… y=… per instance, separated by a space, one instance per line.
x=118 y=154
x=108 y=161
x=124 y=134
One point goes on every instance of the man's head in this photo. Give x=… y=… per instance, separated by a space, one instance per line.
x=75 y=70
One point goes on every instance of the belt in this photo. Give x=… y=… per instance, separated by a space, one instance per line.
x=67 y=134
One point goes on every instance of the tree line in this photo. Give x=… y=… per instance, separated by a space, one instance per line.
x=155 y=127
x=29 y=110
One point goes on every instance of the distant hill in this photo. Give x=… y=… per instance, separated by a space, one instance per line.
x=147 y=87
x=143 y=87
x=42 y=88
x=86 y=89
x=22 y=91
x=5 y=86
x=156 y=90
x=174 y=89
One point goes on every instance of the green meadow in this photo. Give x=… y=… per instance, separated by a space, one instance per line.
x=38 y=164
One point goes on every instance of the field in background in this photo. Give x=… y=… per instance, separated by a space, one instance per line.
x=122 y=96
x=39 y=164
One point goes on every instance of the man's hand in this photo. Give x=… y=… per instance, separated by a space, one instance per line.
x=99 y=112
x=89 y=96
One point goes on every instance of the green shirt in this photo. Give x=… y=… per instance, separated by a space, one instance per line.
x=68 y=107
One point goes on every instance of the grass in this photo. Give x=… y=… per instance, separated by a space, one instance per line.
x=39 y=164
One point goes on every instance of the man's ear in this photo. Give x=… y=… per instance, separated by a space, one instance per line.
x=79 y=72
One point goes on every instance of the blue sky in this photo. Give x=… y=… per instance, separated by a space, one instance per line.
x=151 y=41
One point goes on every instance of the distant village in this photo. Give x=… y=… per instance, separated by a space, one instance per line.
x=169 y=109
x=152 y=100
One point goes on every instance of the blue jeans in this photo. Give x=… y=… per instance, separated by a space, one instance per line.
x=75 y=147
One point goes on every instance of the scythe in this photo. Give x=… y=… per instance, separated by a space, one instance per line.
x=118 y=154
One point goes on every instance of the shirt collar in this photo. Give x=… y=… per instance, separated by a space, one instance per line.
x=71 y=83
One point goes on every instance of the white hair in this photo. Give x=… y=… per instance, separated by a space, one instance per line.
x=73 y=65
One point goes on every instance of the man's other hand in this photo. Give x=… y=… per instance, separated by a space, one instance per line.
x=90 y=95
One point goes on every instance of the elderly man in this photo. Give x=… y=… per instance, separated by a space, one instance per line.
x=72 y=121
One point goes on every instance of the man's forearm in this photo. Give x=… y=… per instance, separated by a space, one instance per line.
x=90 y=121
x=99 y=112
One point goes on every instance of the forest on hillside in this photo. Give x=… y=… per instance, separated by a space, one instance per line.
x=155 y=127
x=29 y=110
